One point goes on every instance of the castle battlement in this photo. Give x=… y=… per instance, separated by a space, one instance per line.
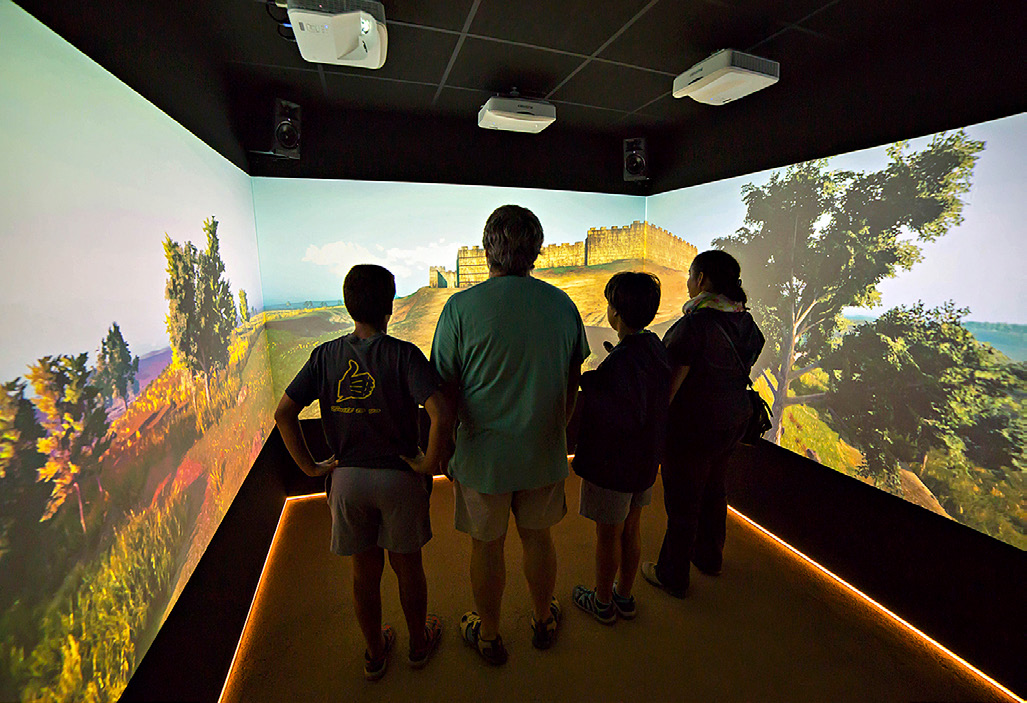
x=602 y=245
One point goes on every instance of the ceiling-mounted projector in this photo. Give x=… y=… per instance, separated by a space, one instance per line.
x=340 y=32
x=726 y=76
x=516 y=115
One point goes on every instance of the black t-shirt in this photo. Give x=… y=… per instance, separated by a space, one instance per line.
x=368 y=390
x=714 y=389
x=624 y=415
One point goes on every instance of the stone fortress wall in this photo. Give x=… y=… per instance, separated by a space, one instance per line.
x=602 y=245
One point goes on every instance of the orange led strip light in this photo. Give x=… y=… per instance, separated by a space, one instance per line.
x=878 y=607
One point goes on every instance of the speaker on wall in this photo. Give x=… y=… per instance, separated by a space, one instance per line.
x=286 y=141
x=636 y=161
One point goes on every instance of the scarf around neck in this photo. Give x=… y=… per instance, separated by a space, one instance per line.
x=714 y=301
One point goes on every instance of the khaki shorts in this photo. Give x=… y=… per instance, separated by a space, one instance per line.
x=485 y=517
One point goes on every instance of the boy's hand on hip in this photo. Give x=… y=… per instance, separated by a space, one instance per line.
x=323 y=467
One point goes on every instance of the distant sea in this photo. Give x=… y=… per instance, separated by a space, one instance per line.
x=1008 y=338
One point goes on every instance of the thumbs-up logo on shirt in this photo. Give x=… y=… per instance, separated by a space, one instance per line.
x=355 y=384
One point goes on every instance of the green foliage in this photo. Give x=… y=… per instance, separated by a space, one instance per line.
x=201 y=312
x=915 y=380
x=89 y=645
x=116 y=369
x=244 y=307
x=816 y=241
x=22 y=498
x=76 y=427
x=986 y=500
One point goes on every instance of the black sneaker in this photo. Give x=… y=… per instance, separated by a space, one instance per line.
x=543 y=634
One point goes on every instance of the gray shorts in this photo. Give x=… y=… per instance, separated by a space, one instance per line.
x=383 y=507
x=485 y=516
x=610 y=507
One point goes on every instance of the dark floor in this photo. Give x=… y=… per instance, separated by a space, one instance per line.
x=770 y=628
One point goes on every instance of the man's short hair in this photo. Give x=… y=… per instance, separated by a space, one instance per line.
x=635 y=296
x=368 y=292
x=513 y=240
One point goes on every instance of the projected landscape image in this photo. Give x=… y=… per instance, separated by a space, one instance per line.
x=134 y=369
x=917 y=389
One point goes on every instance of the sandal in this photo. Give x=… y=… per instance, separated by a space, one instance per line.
x=432 y=637
x=491 y=651
x=585 y=598
x=625 y=606
x=374 y=669
x=543 y=634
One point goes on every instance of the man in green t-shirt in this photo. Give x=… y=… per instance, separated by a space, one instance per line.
x=509 y=351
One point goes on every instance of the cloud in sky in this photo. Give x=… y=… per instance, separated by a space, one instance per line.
x=340 y=256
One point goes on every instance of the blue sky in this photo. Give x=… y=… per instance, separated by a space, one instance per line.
x=310 y=232
x=978 y=264
x=91 y=178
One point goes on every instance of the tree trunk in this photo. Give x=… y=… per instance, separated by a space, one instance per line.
x=81 y=510
x=783 y=380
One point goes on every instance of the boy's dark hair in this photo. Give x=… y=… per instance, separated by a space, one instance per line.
x=635 y=296
x=368 y=292
x=724 y=273
x=512 y=240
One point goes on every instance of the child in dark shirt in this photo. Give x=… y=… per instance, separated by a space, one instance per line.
x=622 y=428
x=369 y=386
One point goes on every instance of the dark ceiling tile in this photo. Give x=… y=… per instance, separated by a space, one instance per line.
x=586 y=118
x=674 y=36
x=418 y=55
x=613 y=86
x=297 y=85
x=250 y=35
x=668 y=110
x=450 y=14
x=784 y=11
x=498 y=67
x=367 y=92
x=459 y=103
x=568 y=25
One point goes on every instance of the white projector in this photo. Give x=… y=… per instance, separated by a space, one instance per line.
x=726 y=76
x=340 y=32
x=516 y=115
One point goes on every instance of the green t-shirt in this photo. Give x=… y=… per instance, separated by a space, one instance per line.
x=509 y=344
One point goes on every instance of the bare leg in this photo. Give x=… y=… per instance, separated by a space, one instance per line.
x=631 y=551
x=367 y=597
x=488 y=579
x=413 y=594
x=539 y=569
x=608 y=557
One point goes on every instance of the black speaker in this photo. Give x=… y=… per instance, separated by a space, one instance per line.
x=636 y=161
x=287 y=130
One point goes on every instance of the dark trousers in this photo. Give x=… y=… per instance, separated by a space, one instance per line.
x=696 y=502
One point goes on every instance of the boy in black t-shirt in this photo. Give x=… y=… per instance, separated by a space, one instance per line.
x=369 y=386
x=623 y=423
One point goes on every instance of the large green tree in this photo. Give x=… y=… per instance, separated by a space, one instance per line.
x=76 y=428
x=914 y=380
x=22 y=497
x=201 y=312
x=116 y=368
x=816 y=241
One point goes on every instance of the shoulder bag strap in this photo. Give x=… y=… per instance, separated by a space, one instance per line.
x=738 y=356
